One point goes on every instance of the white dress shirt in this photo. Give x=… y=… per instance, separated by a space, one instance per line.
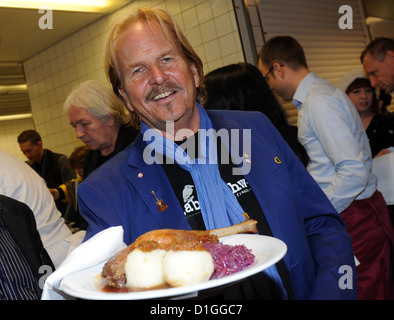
x=20 y=182
x=331 y=130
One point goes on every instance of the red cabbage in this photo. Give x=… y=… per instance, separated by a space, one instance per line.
x=228 y=259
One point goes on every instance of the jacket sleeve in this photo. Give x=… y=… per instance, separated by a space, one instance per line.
x=96 y=209
x=331 y=248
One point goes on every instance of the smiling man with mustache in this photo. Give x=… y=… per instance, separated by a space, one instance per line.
x=158 y=85
x=159 y=76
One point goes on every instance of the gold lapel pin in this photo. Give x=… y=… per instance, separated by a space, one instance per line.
x=160 y=203
x=246 y=156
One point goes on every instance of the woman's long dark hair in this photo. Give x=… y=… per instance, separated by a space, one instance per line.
x=241 y=86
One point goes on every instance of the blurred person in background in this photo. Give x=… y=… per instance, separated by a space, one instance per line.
x=331 y=131
x=384 y=100
x=22 y=254
x=100 y=120
x=378 y=61
x=68 y=192
x=20 y=182
x=51 y=166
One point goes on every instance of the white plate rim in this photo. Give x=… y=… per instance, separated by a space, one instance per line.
x=267 y=250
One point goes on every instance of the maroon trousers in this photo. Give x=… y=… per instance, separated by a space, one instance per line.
x=368 y=224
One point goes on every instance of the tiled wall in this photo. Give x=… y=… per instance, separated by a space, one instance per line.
x=209 y=25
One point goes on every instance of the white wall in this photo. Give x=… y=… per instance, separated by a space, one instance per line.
x=209 y=25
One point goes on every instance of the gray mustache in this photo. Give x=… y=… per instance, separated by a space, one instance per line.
x=165 y=88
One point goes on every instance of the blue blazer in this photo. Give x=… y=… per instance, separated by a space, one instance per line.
x=298 y=212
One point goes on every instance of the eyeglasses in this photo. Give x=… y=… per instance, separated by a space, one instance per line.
x=270 y=70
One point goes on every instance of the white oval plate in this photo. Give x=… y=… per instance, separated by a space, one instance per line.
x=267 y=251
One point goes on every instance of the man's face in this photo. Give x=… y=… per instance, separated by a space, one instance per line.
x=33 y=152
x=97 y=134
x=158 y=82
x=380 y=73
x=275 y=81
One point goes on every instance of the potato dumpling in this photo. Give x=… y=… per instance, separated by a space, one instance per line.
x=182 y=268
x=145 y=269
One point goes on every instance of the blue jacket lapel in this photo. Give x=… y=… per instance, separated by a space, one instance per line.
x=147 y=178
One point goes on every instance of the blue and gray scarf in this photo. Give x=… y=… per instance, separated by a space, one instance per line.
x=219 y=206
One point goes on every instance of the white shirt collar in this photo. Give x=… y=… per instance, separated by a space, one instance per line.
x=303 y=90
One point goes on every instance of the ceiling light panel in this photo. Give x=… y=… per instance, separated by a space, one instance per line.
x=63 y=5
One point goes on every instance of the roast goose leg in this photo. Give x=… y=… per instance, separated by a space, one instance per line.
x=114 y=269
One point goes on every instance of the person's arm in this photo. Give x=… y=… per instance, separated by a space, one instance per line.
x=61 y=192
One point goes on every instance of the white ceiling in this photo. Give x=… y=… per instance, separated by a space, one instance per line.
x=21 y=38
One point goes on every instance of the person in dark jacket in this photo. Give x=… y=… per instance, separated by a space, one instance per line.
x=24 y=263
x=51 y=166
x=101 y=121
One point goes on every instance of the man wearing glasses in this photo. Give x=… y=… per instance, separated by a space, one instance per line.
x=330 y=129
